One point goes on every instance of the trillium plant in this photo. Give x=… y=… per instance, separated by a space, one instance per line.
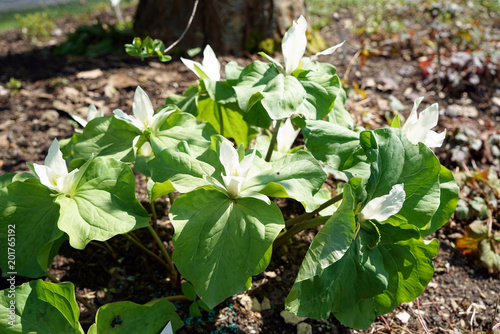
x=227 y=150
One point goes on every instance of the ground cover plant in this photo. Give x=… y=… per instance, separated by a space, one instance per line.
x=368 y=257
x=283 y=263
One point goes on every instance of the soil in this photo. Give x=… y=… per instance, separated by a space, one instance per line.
x=462 y=296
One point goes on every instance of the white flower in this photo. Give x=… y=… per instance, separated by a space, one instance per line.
x=418 y=128
x=286 y=136
x=91 y=114
x=54 y=174
x=209 y=68
x=145 y=118
x=168 y=329
x=236 y=171
x=294 y=44
x=381 y=208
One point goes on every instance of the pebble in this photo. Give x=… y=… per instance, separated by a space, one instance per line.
x=304 y=328
x=266 y=304
x=291 y=318
x=256 y=305
x=246 y=302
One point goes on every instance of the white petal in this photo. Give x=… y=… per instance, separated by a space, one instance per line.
x=160 y=117
x=381 y=208
x=191 y=65
x=92 y=113
x=80 y=120
x=146 y=149
x=286 y=136
x=429 y=117
x=246 y=164
x=65 y=182
x=211 y=65
x=434 y=139
x=330 y=50
x=129 y=119
x=46 y=175
x=142 y=107
x=54 y=159
x=294 y=44
x=233 y=184
x=168 y=329
x=229 y=158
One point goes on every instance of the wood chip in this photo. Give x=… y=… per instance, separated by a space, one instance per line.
x=93 y=74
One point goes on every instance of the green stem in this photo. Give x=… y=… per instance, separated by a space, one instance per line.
x=78 y=297
x=280 y=240
x=171 y=198
x=164 y=251
x=111 y=249
x=147 y=251
x=308 y=215
x=177 y=298
x=273 y=141
x=221 y=121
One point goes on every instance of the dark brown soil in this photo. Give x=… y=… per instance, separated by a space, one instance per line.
x=461 y=296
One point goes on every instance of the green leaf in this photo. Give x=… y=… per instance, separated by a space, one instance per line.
x=128 y=317
x=448 y=200
x=182 y=170
x=221 y=242
x=233 y=124
x=219 y=91
x=253 y=79
x=8 y=178
x=297 y=175
x=188 y=291
x=282 y=96
x=394 y=160
x=182 y=127
x=42 y=308
x=103 y=204
x=156 y=190
x=187 y=102
x=194 y=310
x=233 y=71
x=330 y=143
x=28 y=209
x=355 y=279
x=110 y=137
x=68 y=145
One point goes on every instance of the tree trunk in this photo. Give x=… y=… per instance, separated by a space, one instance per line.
x=229 y=26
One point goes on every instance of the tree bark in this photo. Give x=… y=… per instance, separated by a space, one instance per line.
x=229 y=26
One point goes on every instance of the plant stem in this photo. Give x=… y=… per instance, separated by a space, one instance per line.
x=176 y=298
x=308 y=215
x=165 y=252
x=171 y=198
x=273 y=141
x=280 y=240
x=111 y=249
x=147 y=251
x=78 y=297
x=185 y=30
x=221 y=121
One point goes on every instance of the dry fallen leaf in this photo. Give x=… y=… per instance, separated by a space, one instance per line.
x=92 y=74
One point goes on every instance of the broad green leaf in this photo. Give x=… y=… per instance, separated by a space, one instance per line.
x=156 y=190
x=29 y=210
x=128 y=317
x=333 y=241
x=219 y=91
x=233 y=71
x=330 y=143
x=188 y=291
x=182 y=170
x=233 y=124
x=297 y=175
x=41 y=308
x=187 y=102
x=68 y=145
x=339 y=115
x=369 y=279
x=179 y=127
x=103 y=204
x=220 y=242
x=253 y=79
x=108 y=136
x=394 y=160
x=447 y=202
x=8 y=178
x=282 y=96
